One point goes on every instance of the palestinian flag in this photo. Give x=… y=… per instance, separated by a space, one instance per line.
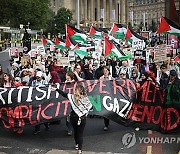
x=111 y=50
x=118 y=30
x=70 y=43
x=137 y=41
x=111 y=38
x=81 y=51
x=46 y=42
x=60 y=44
x=95 y=33
x=76 y=34
x=133 y=36
x=167 y=26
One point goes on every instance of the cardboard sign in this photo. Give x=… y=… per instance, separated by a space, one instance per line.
x=52 y=47
x=138 y=45
x=34 y=53
x=71 y=54
x=173 y=41
x=140 y=56
x=160 y=53
x=169 y=50
x=63 y=61
x=41 y=49
x=13 y=52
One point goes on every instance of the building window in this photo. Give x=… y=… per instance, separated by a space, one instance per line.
x=54 y=3
x=139 y=1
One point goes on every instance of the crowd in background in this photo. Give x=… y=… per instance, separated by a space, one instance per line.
x=45 y=70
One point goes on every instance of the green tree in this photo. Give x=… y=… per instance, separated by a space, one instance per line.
x=50 y=24
x=64 y=16
x=16 y=12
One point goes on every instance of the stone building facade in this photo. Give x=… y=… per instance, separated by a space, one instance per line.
x=144 y=11
x=106 y=12
x=100 y=12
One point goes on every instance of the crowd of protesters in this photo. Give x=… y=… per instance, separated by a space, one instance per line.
x=45 y=70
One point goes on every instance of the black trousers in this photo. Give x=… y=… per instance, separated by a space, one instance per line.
x=106 y=122
x=78 y=130
x=37 y=127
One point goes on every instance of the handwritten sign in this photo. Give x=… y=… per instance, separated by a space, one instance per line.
x=63 y=61
x=138 y=44
x=13 y=52
x=160 y=53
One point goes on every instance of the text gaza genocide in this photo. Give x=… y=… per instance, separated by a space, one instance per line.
x=40 y=93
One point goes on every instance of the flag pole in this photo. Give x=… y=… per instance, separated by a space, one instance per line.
x=78 y=14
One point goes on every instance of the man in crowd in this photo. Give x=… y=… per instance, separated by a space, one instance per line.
x=173 y=90
x=99 y=70
x=15 y=71
x=39 y=81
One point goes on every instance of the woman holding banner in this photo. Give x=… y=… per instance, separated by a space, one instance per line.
x=80 y=107
x=106 y=76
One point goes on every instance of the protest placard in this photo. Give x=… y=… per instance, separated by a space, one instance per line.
x=13 y=52
x=160 y=53
x=63 y=61
x=138 y=44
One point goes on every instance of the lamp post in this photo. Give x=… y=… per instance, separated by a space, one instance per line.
x=78 y=16
x=28 y=25
x=26 y=39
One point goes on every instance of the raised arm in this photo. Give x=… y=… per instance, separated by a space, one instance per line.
x=60 y=92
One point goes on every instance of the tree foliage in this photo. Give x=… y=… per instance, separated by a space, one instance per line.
x=16 y=12
x=64 y=16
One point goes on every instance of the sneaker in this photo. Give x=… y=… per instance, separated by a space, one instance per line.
x=69 y=133
x=76 y=147
x=105 y=128
x=137 y=129
x=79 y=151
x=36 y=132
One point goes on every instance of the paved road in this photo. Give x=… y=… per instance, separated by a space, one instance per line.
x=96 y=141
